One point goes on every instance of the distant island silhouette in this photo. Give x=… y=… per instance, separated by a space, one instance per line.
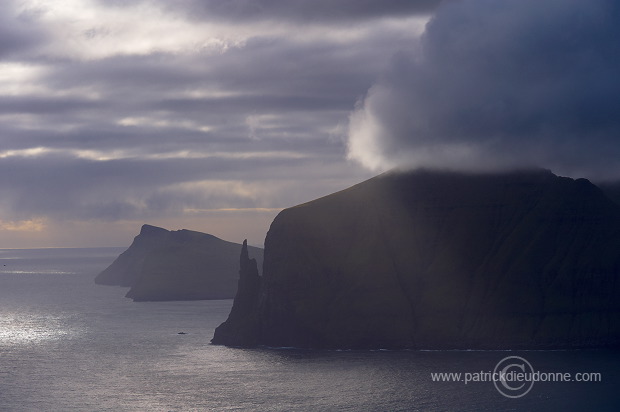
x=437 y=260
x=176 y=265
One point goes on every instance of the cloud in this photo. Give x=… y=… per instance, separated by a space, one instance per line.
x=22 y=226
x=499 y=85
x=91 y=30
x=134 y=111
x=298 y=11
x=17 y=35
x=59 y=186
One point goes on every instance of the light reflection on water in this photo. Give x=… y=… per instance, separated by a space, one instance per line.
x=20 y=328
x=36 y=272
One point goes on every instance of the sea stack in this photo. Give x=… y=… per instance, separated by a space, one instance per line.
x=241 y=328
x=440 y=260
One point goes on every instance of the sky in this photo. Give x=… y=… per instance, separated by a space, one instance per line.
x=215 y=115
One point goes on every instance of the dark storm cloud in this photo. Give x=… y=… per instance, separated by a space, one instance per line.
x=326 y=11
x=501 y=84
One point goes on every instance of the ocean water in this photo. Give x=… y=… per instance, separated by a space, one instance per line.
x=67 y=344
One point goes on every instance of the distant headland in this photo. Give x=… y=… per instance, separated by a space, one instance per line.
x=176 y=265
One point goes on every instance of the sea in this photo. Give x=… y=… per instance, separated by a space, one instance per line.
x=67 y=344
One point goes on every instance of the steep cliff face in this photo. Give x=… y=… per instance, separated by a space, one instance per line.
x=611 y=190
x=177 y=265
x=125 y=270
x=445 y=260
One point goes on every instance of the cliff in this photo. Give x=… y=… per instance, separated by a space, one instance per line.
x=611 y=190
x=442 y=260
x=176 y=265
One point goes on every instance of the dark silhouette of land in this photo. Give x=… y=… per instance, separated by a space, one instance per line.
x=176 y=265
x=241 y=328
x=611 y=189
x=438 y=260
